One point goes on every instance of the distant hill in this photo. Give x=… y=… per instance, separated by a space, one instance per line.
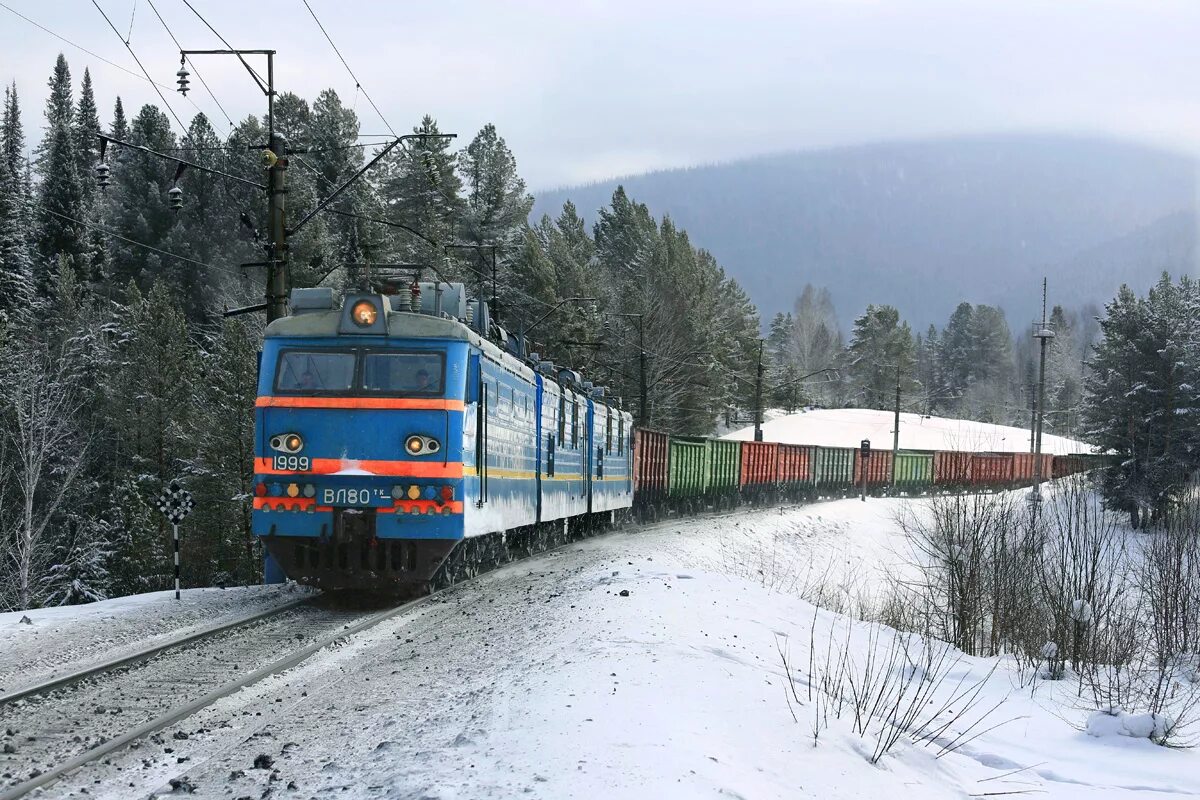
x=924 y=225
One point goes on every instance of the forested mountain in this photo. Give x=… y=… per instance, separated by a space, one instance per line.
x=924 y=225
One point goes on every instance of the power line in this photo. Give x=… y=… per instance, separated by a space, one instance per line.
x=134 y=242
x=225 y=42
x=182 y=127
x=357 y=84
x=195 y=71
x=81 y=48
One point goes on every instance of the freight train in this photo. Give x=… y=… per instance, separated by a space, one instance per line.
x=400 y=442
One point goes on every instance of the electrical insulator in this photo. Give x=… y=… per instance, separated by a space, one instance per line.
x=415 y=303
x=182 y=76
x=175 y=198
x=102 y=173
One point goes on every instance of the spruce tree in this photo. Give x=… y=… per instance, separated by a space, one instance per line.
x=496 y=204
x=16 y=262
x=879 y=344
x=1141 y=396
x=60 y=237
x=12 y=133
x=420 y=186
x=120 y=126
x=87 y=142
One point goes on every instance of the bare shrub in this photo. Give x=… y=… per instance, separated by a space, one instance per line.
x=966 y=548
x=898 y=686
x=1081 y=567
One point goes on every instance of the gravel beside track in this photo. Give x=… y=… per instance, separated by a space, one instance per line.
x=42 y=731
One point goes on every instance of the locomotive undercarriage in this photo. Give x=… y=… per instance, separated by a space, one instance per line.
x=353 y=558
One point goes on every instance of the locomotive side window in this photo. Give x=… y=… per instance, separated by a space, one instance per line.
x=608 y=430
x=562 y=419
x=620 y=434
x=403 y=373
x=305 y=371
x=574 y=423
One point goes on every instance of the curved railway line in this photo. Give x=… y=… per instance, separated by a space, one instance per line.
x=51 y=727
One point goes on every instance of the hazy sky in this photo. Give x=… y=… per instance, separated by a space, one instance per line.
x=584 y=90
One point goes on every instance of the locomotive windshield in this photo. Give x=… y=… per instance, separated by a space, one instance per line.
x=361 y=371
x=402 y=373
x=315 y=371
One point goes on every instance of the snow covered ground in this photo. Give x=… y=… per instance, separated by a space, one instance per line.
x=646 y=663
x=846 y=427
x=43 y=643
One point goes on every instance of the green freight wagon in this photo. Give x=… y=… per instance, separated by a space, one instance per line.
x=834 y=470
x=725 y=469
x=914 y=472
x=689 y=467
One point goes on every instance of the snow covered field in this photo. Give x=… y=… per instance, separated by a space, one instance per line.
x=846 y=427
x=646 y=663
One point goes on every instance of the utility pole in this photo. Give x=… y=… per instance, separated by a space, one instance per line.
x=1043 y=334
x=758 y=398
x=275 y=159
x=896 y=427
x=644 y=408
x=1032 y=418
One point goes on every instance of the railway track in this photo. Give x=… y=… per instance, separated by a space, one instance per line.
x=55 y=727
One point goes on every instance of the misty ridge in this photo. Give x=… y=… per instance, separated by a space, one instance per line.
x=924 y=225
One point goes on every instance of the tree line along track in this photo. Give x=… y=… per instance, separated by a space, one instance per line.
x=63 y=724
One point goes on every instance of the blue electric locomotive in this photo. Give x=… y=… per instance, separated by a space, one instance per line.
x=393 y=443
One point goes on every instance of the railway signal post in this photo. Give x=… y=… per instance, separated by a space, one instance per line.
x=176 y=503
x=866 y=456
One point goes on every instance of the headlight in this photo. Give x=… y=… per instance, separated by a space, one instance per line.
x=421 y=445
x=364 y=313
x=287 y=443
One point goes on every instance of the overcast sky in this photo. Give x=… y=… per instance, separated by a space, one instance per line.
x=584 y=90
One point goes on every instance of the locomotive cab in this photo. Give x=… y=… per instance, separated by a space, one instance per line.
x=358 y=462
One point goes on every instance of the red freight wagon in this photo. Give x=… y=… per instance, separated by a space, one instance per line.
x=650 y=450
x=951 y=468
x=1024 y=467
x=1066 y=465
x=795 y=463
x=760 y=468
x=795 y=470
x=760 y=463
x=991 y=469
x=879 y=468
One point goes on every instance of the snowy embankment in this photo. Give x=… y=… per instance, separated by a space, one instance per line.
x=42 y=643
x=846 y=427
x=650 y=663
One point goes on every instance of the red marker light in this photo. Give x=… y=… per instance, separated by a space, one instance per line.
x=447 y=493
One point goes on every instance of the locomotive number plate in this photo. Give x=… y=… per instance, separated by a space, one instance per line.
x=358 y=498
x=291 y=463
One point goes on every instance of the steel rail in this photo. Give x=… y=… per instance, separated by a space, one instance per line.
x=184 y=711
x=142 y=655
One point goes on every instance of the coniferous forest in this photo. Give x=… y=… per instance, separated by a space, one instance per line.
x=120 y=372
